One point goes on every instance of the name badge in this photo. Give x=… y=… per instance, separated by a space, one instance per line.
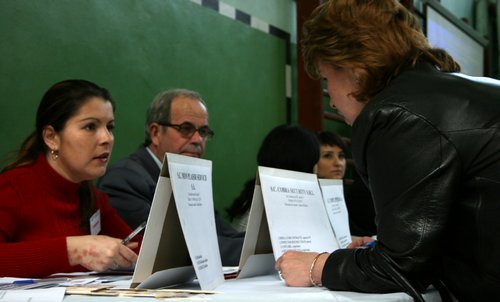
x=95 y=223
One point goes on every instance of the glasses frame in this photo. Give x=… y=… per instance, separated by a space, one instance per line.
x=206 y=135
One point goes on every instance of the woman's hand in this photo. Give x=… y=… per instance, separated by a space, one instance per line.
x=294 y=268
x=359 y=241
x=99 y=253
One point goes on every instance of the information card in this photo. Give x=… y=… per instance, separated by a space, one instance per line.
x=192 y=186
x=180 y=241
x=333 y=196
x=295 y=212
x=287 y=213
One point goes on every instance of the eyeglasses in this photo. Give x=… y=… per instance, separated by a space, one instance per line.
x=187 y=129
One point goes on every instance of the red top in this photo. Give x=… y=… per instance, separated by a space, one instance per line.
x=38 y=210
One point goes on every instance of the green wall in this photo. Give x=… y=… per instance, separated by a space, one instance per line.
x=136 y=49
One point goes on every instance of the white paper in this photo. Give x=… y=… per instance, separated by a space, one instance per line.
x=192 y=187
x=177 y=275
x=255 y=225
x=333 y=196
x=256 y=265
x=295 y=212
x=152 y=235
x=53 y=294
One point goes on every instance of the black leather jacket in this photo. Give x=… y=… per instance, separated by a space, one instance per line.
x=428 y=146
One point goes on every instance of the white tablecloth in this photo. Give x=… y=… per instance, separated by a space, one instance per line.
x=270 y=288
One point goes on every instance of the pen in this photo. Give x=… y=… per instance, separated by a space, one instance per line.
x=24 y=281
x=46 y=280
x=371 y=243
x=134 y=233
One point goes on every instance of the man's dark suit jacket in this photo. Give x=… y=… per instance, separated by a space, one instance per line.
x=131 y=183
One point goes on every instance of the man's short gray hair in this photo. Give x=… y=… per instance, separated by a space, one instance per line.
x=160 y=107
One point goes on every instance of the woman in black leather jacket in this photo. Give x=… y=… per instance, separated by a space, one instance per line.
x=425 y=140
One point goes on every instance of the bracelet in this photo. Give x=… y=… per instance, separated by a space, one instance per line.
x=312 y=268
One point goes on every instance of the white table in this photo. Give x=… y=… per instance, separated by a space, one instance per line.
x=268 y=288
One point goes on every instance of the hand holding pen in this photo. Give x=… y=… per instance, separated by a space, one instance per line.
x=107 y=252
x=127 y=239
x=100 y=252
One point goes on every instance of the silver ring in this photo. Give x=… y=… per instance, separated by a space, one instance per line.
x=115 y=266
x=281 y=276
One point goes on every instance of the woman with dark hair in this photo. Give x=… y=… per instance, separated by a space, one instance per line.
x=426 y=141
x=285 y=147
x=332 y=162
x=51 y=215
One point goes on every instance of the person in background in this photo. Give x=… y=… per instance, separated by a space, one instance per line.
x=287 y=147
x=332 y=164
x=176 y=122
x=52 y=218
x=425 y=139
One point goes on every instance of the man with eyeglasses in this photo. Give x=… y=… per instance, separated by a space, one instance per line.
x=176 y=122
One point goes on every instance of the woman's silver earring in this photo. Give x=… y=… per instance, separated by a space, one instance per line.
x=54 y=154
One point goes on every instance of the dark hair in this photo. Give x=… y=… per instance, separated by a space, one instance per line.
x=376 y=38
x=285 y=147
x=242 y=203
x=61 y=102
x=331 y=139
x=160 y=108
x=289 y=147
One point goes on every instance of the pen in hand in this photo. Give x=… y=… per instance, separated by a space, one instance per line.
x=134 y=233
